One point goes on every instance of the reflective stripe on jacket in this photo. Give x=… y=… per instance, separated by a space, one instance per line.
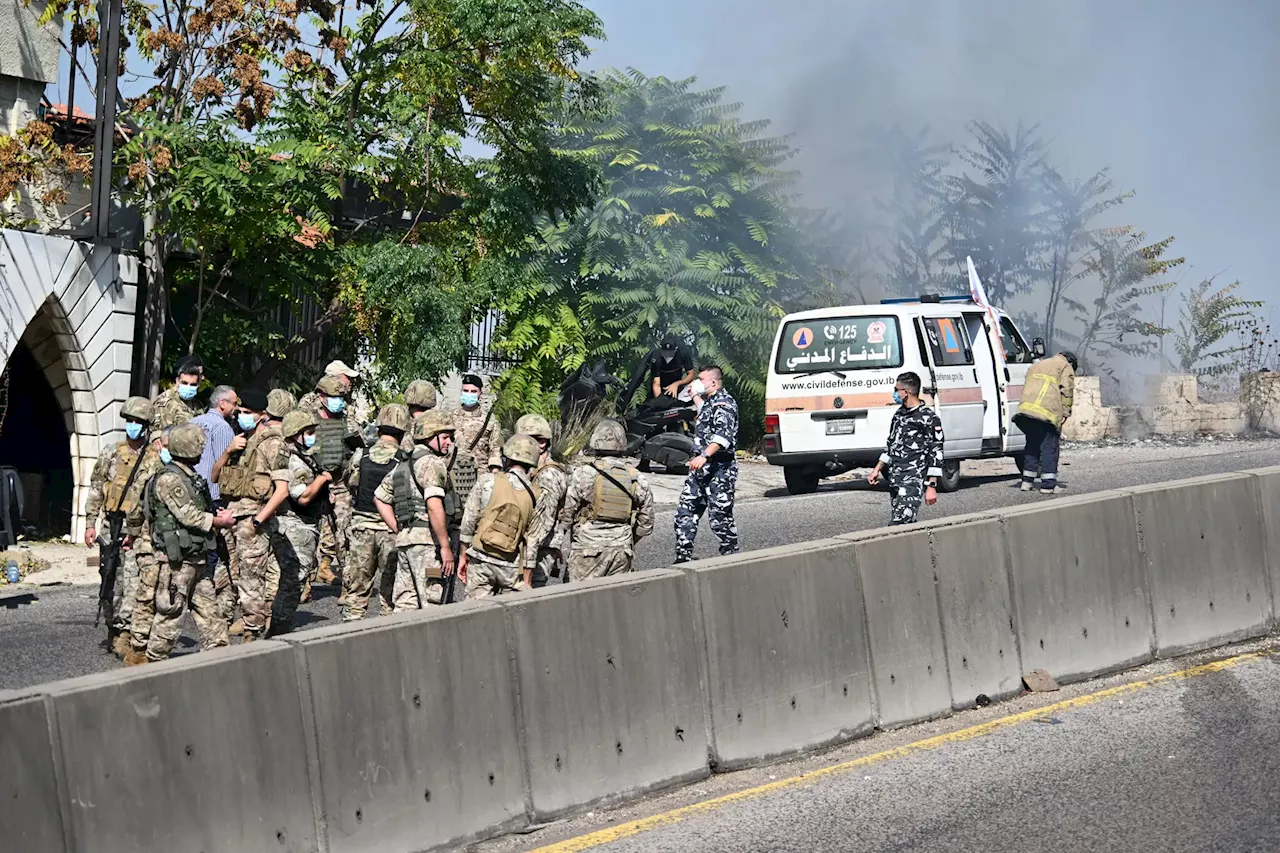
x=1049 y=392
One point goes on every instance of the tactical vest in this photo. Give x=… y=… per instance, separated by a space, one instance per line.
x=114 y=498
x=319 y=505
x=463 y=474
x=170 y=536
x=242 y=479
x=409 y=504
x=371 y=476
x=331 y=444
x=502 y=526
x=609 y=502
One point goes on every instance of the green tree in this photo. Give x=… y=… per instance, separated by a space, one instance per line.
x=1211 y=318
x=916 y=209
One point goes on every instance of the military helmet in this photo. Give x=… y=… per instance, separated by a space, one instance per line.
x=608 y=436
x=297 y=421
x=186 y=441
x=279 y=403
x=432 y=424
x=420 y=393
x=534 y=425
x=523 y=449
x=138 y=408
x=331 y=386
x=394 y=416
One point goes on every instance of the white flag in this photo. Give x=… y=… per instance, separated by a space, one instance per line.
x=976 y=290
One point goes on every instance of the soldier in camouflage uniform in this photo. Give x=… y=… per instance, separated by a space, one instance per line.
x=479 y=436
x=605 y=518
x=421 y=398
x=496 y=520
x=177 y=404
x=280 y=403
x=314 y=401
x=372 y=556
x=244 y=478
x=544 y=558
x=416 y=500
x=297 y=530
x=116 y=486
x=913 y=455
x=180 y=518
x=337 y=434
x=713 y=473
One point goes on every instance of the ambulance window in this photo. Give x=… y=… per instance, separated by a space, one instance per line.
x=839 y=343
x=1015 y=350
x=948 y=342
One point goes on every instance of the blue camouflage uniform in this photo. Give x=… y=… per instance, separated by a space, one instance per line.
x=914 y=454
x=711 y=489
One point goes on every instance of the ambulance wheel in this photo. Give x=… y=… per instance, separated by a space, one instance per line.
x=800 y=479
x=950 y=479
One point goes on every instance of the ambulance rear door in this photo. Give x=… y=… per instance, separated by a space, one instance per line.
x=958 y=393
x=1018 y=360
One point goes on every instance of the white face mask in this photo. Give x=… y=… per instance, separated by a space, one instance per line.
x=698 y=387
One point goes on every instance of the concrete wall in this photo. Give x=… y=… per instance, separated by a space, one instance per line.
x=1172 y=407
x=73 y=305
x=427 y=731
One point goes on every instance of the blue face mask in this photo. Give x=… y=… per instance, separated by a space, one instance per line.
x=308 y=441
x=133 y=430
x=165 y=456
x=335 y=404
x=186 y=391
x=246 y=422
x=897 y=397
x=469 y=398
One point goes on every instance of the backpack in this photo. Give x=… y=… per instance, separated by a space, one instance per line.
x=610 y=501
x=502 y=526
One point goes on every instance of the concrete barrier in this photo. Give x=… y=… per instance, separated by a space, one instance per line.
x=415 y=729
x=1206 y=561
x=971 y=566
x=1080 y=605
x=201 y=753
x=1269 y=494
x=31 y=805
x=786 y=650
x=623 y=714
x=908 y=660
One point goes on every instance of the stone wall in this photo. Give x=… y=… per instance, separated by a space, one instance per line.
x=1172 y=408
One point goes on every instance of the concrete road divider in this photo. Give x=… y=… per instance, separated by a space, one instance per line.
x=1080 y=605
x=971 y=567
x=623 y=714
x=786 y=650
x=908 y=660
x=415 y=729
x=202 y=753
x=31 y=804
x=1206 y=561
x=1269 y=493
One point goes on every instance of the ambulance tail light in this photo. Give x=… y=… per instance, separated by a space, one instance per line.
x=771 y=424
x=772 y=440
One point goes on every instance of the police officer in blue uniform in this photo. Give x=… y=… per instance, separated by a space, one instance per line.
x=713 y=473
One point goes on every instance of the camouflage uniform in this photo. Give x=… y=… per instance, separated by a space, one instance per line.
x=711 y=489
x=914 y=453
x=297 y=535
x=372 y=554
x=170 y=410
x=546 y=537
x=253 y=565
x=185 y=577
x=488 y=574
x=419 y=554
x=335 y=543
x=599 y=548
x=421 y=394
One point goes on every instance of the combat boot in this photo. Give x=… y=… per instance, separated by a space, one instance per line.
x=134 y=658
x=306 y=591
x=121 y=645
x=237 y=628
x=325 y=573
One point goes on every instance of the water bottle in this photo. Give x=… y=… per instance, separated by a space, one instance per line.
x=11 y=570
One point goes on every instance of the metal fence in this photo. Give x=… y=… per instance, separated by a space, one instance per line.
x=482 y=357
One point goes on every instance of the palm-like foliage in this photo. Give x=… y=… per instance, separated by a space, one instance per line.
x=1205 y=339
x=915 y=207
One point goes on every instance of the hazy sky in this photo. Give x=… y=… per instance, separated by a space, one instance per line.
x=1180 y=98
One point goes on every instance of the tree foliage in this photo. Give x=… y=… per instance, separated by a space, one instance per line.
x=915 y=207
x=1206 y=338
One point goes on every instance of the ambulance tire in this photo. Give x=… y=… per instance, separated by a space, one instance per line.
x=950 y=479
x=801 y=480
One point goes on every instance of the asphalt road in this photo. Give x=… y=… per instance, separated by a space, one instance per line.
x=1185 y=761
x=48 y=634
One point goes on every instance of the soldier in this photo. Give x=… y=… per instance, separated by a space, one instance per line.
x=280 y=403
x=545 y=556
x=372 y=554
x=336 y=440
x=496 y=520
x=416 y=500
x=297 y=529
x=244 y=476
x=116 y=486
x=317 y=400
x=479 y=436
x=177 y=404
x=420 y=397
x=180 y=516
x=144 y=609
x=1045 y=407
x=913 y=455
x=608 y=508
x=713 y=473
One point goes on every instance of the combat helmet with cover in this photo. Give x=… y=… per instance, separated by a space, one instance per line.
x=420 y=393
x=297 y=421
x=279 y=403
x=431 y=424
x=186 y=442
x=608 y=437
x=523 y=449
x=394 y=416
x=138 y=408
x=534 y=425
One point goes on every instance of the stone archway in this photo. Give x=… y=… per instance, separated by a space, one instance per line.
x=72 y=305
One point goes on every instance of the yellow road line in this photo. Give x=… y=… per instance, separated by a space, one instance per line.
x=635 y=827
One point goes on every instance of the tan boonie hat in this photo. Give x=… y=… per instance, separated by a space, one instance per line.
x=338 y=367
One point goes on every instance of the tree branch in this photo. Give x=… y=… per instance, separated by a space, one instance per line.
x=318 y=330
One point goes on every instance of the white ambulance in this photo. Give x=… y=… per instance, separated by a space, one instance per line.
x=829 y=395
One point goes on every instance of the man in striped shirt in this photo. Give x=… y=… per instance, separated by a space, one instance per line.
x=217 y=432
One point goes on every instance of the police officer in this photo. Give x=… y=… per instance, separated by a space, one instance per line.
x=544 y=557
x=421 y=398
x=496 y=521
x=177 y=404
x=180 y=516
x=608 y=507
x=713 y=473
x=913 y=455
x=1046 y=404
x=298 y=522
x=372 y=555
x=416 y=500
